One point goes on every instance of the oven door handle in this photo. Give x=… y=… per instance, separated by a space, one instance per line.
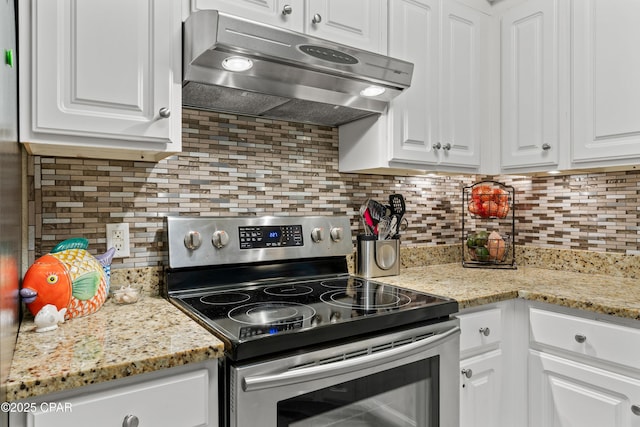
x=345 y=366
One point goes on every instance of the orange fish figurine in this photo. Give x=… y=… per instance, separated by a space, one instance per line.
x=68 y=277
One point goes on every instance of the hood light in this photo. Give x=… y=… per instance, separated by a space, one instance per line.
x=372 y=91
x=237 y=63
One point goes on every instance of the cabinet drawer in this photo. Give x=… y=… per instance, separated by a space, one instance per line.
x=480 y=329
x=601 y=340
x=178 y=400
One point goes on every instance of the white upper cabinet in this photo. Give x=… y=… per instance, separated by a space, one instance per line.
x=463 y=71
x=530 y=93
x=570 y=86
x=281 y=13
x=101 y=79
x=413 y=118
x=605 y=95
x=357 y=23
x=436 y=124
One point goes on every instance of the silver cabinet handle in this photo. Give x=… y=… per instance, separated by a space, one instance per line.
x=580 y=338
x=635 y=409
x=342 y=367
x=437 y=146
x=164 y=112
x=446 y=147
x=467 y=373
x=485 y=331
x=316 y=18
x=546 y=147
x=130 y=421
x=287 y=9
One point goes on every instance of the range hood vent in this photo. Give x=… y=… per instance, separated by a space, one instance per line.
x=292 y=76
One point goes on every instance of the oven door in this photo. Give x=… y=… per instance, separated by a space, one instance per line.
x=407 y=378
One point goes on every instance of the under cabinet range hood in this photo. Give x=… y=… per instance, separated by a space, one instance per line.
x=244 y=67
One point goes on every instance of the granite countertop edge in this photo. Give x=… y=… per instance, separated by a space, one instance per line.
x=605 y=294
x=115 y=342
x=175 y=339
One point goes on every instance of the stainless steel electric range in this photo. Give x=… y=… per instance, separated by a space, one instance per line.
x=307 y=343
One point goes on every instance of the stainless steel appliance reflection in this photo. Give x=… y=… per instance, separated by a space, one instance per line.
x=307 y=343
x=10 y=193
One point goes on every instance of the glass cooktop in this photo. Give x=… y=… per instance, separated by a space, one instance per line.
x=256 y=320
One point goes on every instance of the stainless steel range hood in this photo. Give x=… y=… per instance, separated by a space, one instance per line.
x=293 y=76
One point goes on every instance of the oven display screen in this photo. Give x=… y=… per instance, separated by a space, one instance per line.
x=270 y=236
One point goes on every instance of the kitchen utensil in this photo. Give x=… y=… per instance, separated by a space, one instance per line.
x=397 y=205
x=377 y=210
x=366 y=219
x=384 y=228
x=393 y=227
x=369 y=223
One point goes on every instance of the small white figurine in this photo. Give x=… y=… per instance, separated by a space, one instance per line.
x=48 y=318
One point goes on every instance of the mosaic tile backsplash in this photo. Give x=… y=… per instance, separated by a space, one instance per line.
x=233 y=165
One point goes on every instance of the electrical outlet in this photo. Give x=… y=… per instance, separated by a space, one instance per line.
x=118 y=237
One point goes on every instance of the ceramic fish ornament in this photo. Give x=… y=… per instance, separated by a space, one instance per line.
x=68 y=277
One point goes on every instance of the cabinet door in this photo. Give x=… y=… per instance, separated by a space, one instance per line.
x=480 y=393
x=606 y=87
x=179 y=400
x=564 y=393
x=358 y=23
x=530 y=73
x=413 y=115
x=105 y=69
x=463 y=70
x=282 y=13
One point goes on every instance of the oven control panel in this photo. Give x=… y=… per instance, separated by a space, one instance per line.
x=271 y=328
x=270 y=236
x=209 y=241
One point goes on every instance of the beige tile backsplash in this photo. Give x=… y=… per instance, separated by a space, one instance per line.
x=234 y=165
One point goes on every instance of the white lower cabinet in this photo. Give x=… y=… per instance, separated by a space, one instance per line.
x=542 y=365
x=584 y=369
x=480 y=389
x=185 y=397
x=488 y=393
x=566 y=393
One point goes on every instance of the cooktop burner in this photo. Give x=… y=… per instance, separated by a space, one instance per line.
x=315 y=310
x=274 y=284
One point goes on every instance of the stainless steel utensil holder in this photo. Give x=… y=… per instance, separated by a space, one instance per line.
x=377 y=258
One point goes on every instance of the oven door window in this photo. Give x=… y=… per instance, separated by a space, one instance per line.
x=403 y=396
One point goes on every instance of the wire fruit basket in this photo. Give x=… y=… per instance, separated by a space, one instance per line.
x=488 y=225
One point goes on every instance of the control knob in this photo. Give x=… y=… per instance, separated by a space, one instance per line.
x=220 y=239
x=336 y=233
x=317 y=234
x=192 y=240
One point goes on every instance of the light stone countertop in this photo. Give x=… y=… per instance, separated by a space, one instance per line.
x=613 y=295
x=123 y=340
x=115 y=342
